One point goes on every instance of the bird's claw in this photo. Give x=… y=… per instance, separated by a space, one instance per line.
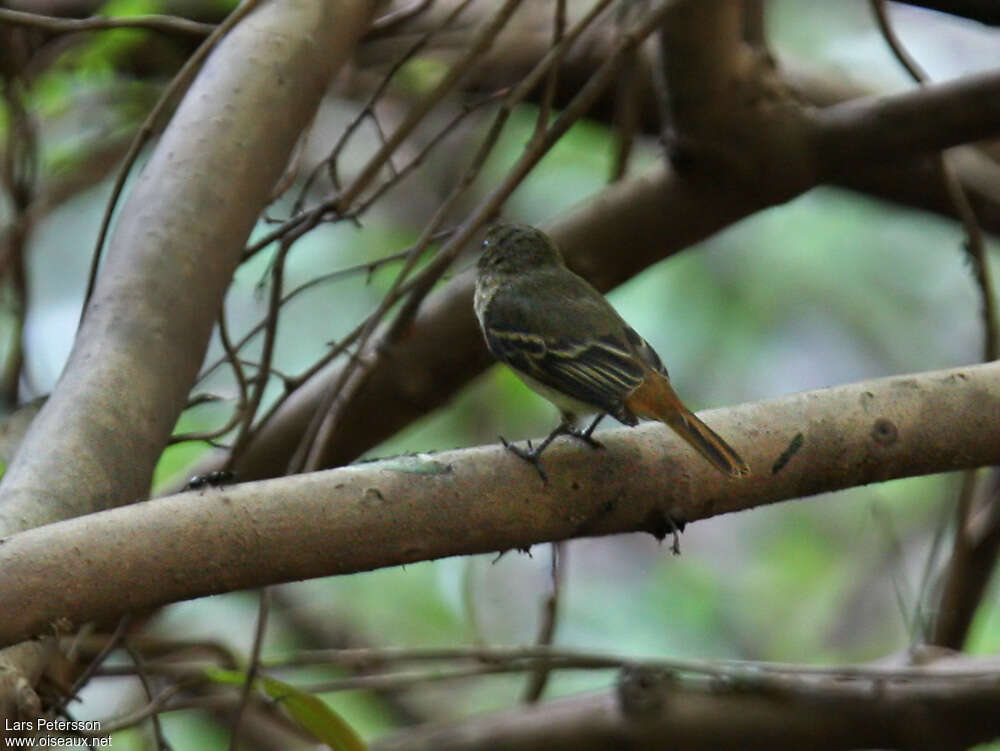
x=532 y=456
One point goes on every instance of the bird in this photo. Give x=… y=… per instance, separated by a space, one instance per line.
x=568 y=344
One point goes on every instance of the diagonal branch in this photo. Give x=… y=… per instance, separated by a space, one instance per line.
x=483 y=499
x=177 y=241
x=662 y=213
x=931 y=118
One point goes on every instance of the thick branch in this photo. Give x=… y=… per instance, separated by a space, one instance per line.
x=972 y=564
x=178 y=239
x=886 y=128
x=913 y=181
x=799 y=714
x=484 y=499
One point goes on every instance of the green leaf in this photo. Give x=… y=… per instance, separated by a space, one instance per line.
x=310 y=712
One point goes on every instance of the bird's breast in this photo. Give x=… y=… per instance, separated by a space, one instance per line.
x=486 y=288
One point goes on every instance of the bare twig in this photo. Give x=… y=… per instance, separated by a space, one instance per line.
x=422 y=282
x=310 y=450
x=482 y=41
x=949 y=630
x=392 y=19
x=264 y=606
x=547 y=627
x=939 y=669
x=552 y=82
x=109 y=646
x=147 y=687
x=56 y=25
x=267 y=351
x=626 y=106
x=973 y=561
x=368 y=110
x=368 y=267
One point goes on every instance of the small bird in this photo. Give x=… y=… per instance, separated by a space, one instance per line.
x=565 y=341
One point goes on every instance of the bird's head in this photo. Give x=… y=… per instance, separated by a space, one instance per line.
x=512 y=248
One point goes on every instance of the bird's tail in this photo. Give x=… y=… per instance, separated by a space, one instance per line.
x=707 y=442
x=656 y=398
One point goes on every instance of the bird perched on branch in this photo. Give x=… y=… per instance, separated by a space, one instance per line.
x=567 y=343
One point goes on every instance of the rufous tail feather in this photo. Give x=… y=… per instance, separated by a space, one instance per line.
x=656 y=398
x=707 y=442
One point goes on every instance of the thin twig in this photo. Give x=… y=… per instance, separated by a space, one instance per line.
x=480 y=44
x=431 y=144
x=895 y=561
x=369 y=107
x=975 y=244
x=368 y=267
x=309 y=453
x=920 y=614
x=392 y=19
x=626 y=107
x=20 y=178
x=550 y=618
x=147 y=687
x=232 y=357
x=536 y=148
x=552 y=82
x=81 y=680
x=267 y=351
x=526 y=658
x=962 y=551
x=469 y=605
x=264 y=606
x=154 y=22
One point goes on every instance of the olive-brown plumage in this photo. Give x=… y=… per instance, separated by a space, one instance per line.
x=566 y=342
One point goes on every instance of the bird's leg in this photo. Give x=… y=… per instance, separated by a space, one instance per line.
x=585 y=435
x=533 y=454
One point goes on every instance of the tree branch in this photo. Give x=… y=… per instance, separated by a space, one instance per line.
x=662 y=212
x=483 y=499
x=972 y=564
x=55 y=25
x=912 y=182
x=798 y=713
x=178 y=239
x=886 y=128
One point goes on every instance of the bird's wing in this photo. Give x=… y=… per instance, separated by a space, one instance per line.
x=569 y=339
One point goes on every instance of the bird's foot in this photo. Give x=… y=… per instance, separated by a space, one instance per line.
x=531 y=455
